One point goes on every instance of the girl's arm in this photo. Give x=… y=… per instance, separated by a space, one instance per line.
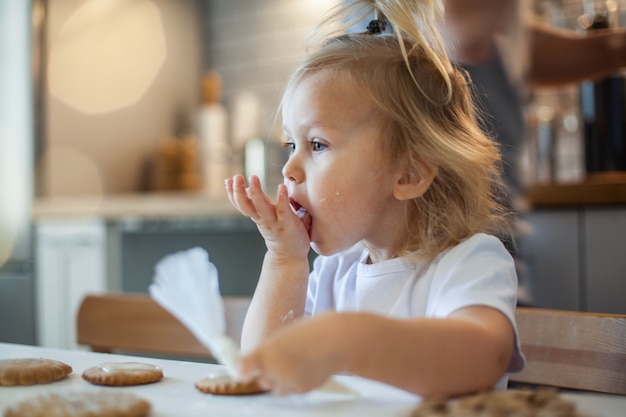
x=278 y=299
x=467 y=352
x=281 y=291
x=565 y=57
x=471 y=25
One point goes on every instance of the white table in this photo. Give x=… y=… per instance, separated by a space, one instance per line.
x=176 y=395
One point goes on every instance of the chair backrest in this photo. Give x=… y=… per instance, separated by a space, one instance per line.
x=573 y=350
x=135 y=323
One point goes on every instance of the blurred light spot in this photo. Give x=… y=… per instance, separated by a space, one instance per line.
x=107 y=54
x=320 y=6
x=67 y=171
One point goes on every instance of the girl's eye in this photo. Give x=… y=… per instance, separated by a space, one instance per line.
x=318 y=146
x=290 y=146
x=314 y=145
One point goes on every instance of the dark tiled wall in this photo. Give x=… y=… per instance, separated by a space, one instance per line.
x=255 y=43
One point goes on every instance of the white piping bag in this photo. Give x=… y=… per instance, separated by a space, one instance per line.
x=186 y=284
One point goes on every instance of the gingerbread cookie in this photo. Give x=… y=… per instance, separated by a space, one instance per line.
x=31 y=371
x=81 y=404
x=123 y=373
x=514 y=402
x=225 y=385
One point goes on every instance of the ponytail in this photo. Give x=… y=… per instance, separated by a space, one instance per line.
x=415 y=22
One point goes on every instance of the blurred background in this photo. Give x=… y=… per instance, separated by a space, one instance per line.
x=119 y=120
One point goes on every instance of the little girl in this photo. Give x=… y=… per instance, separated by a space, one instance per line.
x=391 y=181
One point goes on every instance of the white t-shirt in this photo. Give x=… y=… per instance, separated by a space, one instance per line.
x=478 y=271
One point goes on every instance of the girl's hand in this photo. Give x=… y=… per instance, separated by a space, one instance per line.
x=299 y=357
x=284 y=233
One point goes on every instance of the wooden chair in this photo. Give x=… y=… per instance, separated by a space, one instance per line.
x=135 y=323
x=573 y=350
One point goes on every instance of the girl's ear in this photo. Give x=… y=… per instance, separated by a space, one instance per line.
x=414 y=184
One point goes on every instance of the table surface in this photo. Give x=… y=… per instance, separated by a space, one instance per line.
x=176 y=395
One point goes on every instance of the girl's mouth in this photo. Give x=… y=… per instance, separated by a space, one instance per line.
x=298 y=209
x=302 y=214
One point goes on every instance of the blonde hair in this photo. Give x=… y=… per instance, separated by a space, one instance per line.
x=429 y=118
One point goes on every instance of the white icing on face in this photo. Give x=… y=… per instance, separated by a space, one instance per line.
x=128 y=367
x=301 y=213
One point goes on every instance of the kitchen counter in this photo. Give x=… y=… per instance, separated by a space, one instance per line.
x=148 y=206
x=599 y=189
x=90 y=244
x=573 y=244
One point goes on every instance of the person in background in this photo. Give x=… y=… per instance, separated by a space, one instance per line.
x=507 y=52
x=391 y=180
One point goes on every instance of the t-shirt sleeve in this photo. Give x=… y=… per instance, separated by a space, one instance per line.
x=479 y=271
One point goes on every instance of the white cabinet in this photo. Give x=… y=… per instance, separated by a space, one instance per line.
x=71 y=262
x=576 y=258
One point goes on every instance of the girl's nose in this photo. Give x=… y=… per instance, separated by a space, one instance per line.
x=292 y=171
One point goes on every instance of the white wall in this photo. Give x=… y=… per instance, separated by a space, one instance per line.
x=253 y=44
x=105 y=152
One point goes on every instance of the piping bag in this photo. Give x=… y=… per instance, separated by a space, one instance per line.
x=186 y=284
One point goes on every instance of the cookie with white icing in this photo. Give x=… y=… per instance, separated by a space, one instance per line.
x=81 y=404
x=31 y=371
x=123 y=373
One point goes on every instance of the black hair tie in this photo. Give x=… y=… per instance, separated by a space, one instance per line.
x=377 y=26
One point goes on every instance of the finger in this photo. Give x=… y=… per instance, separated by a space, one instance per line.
x=282 y=389
x=250 y=368
x=240 y=198
x=283 y=207
x=257 y=188
x=262 y=203
x=228 y=184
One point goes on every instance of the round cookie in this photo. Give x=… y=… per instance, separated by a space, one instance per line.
x=31 y=371
x=225 y=385
x=123 y=374
x=81 y=404
x=512 y=402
